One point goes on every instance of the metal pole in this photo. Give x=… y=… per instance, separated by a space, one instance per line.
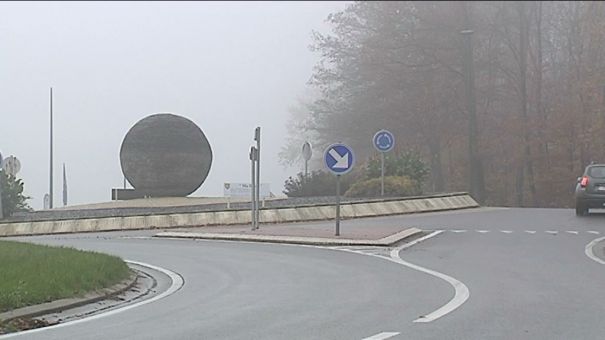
x=306 y=179
x=476 y=179
x=257 y=138
x=337 y=205
x=50 y=189
x=253 y=191
x=382 y=174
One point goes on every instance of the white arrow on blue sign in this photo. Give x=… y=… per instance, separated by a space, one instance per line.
x=339 y=158
x=384 y=141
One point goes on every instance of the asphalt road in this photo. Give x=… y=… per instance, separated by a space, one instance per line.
x=526 y=270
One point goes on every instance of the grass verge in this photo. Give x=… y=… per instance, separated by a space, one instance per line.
x=31 y=274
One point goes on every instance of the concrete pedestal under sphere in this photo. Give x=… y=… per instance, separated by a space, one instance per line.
x=165 y=155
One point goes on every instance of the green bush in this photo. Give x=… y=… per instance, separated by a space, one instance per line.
x=394 y=186
x=319 y=183
x=13 y=199
x=407 y=164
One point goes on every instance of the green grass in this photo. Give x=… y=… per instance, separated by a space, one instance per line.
x=32 y=274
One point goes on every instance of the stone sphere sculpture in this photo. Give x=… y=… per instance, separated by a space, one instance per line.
x=165 y=155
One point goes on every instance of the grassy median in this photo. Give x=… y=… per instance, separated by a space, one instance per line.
x=32 y=274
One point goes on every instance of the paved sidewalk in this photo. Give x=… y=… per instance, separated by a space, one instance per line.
x=352 y=232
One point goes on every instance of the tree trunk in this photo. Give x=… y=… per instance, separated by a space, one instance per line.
x=476 y=177
x=523 y=46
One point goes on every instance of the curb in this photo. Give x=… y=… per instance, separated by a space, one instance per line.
x=370 y=208
x=315 y=241
x=63 y=304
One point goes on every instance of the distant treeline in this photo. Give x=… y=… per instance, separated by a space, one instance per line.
x=539 y=88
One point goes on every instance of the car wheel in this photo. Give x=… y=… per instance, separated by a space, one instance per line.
x=581 y=210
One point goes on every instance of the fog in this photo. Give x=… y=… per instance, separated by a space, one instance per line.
x=228 y=66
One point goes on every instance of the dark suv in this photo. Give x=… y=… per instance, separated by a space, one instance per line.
x=590 y=190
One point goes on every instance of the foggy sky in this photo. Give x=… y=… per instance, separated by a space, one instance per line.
x=228 y=66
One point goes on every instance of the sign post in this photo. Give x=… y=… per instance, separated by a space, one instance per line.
x=253 y=203
x=257 y=156
x=339 y=160
x=384 y=141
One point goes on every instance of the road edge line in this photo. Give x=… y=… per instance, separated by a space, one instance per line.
x=177 y=283
x=461 y=291
x=588 y=250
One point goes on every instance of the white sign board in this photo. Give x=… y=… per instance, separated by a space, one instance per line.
x=11 y=165
x=245 y=190
x=46 y=201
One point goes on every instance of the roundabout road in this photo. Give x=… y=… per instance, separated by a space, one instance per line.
x=526 y=269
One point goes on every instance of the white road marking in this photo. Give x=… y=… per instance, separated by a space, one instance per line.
x=593 y=232
x=136 y=237
x=530 y=231
x=177 y=283
x=590 y=252
x=572 y=232
x=553 y=232
x=506 y=231
x=461 y=292
x=416 y=241
x=458 y=230
x=381 y=336
x=482 y=231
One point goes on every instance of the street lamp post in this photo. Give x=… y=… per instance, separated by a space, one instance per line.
x=476 y=181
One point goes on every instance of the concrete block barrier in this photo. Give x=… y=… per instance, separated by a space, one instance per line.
x=309 y=212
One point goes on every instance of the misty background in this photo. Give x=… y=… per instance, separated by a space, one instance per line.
x=228 y=66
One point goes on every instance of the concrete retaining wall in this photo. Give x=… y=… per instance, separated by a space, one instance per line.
x=231 y=217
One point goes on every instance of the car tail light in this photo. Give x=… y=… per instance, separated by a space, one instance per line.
x=584 y=182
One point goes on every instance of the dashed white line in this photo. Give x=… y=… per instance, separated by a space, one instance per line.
x=177 y=283
x=590 y=252
x=530 y=231
x=382 y=336
x=506 y=231
x=482 y=231
x=572 y=232
x=593 y=232
x=553 y=232
x=458 y=230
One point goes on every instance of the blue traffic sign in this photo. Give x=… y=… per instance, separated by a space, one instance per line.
x=339 y=158
x=384 y=141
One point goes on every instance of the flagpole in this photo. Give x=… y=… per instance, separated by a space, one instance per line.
x=64 y=186
x=50 y=189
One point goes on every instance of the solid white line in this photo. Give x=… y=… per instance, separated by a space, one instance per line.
x=572 y=232
x=381 y=336
x=530 y=231
x=593 y=232
x=416 y=241
x=589 y=250
x=177 y=283
x=461 y=292
x=506 y=231
x=482 y=231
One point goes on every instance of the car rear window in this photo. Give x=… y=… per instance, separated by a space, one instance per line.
x=597 y=172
